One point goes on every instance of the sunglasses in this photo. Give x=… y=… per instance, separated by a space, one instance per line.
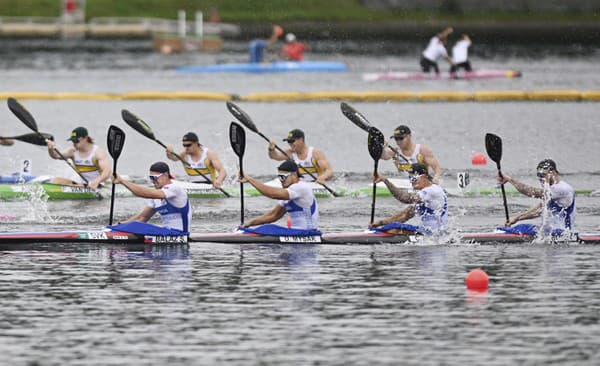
x=187 y=145
x=283 y=177
x=154 y=178
x=399 y=138
x=413 y=178
x=541 y=175
x=291 y=141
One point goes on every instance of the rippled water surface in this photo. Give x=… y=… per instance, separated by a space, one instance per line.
x=250 y=304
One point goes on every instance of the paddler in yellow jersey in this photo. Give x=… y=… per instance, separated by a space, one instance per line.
x=309 y=159
x=200 y=159
x=90 y=160
x=410 y=153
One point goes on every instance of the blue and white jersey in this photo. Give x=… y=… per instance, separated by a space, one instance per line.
x=561 y=207
x=302 y=206
x=174 y=210
x=433 y=208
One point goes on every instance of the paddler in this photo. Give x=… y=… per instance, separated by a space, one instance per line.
x=201 y=160
x=429 y=202
x=309 y=159
x=296 y=198
x=293 y=50
x=90 y=160
x=435 y=50
x=460 y=55
x=557 y=198
x=168 y=199
x=410 y=153
x=256 y=47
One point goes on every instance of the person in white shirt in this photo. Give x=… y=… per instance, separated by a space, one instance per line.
x=169 y=200
x=436 y=50
x=296 y=198
x=460 y=55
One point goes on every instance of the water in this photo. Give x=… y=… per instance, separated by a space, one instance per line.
x=232 y=304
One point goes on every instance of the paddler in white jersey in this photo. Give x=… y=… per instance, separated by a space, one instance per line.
x=309 y=159
x=429 y=203
x=558 y=196
x=411 y=153
x=460 y=55
x=90 y=160
x=169 y=200
x=200 y=159
x=435 y=50
x=296 y=198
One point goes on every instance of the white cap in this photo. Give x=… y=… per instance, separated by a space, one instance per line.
x=290 y=37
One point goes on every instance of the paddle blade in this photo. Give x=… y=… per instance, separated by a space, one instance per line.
x=21 y=113
x=355 y=116
x=241 y=116
x=493 y=146
x=237 y=137
x=137 y=124
x=33 y=138
x=115 y=141
x=375 y=143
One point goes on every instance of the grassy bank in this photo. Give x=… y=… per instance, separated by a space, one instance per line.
x=242 y=11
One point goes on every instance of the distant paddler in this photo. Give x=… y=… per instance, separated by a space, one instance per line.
x=429 y=202
x=309 y=159
x=557 y=199
x=201 y=160
x=435 y=50
x=460 y=55
x=409 y=153
x=90 y=160
x=296 y=198
x=293 y=50
x=168 y=199
x=257 y=47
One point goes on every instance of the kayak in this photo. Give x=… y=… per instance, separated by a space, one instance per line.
x=16 y=178
x=269 y=67
x=470 y=75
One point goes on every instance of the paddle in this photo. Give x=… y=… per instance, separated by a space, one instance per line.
x=115 y=141
x=237 y=138
x=493 y=146
x=26 y=117
x=140 y=126
x=247 y=121
x=375 y=143
x=32 y=138
x=361 y=122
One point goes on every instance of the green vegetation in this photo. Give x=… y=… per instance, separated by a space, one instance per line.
x=235 y=11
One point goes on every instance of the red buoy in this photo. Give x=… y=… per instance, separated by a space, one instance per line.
x=478 y=159
x=477 y=280
x=289 y=222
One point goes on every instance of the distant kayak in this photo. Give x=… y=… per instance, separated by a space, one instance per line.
x=471 y=75
x=278 y=66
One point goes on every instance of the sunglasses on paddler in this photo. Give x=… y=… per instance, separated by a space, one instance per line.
x=154 y=178
x=283 y=177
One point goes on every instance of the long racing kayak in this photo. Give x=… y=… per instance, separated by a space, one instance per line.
x=269 y=67
x=471 y=75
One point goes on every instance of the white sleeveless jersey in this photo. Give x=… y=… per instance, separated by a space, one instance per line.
x=87 y=165
x=435 y=49
x=460 y=51
x=404 y=166
x=307 y=165
x=203 y=165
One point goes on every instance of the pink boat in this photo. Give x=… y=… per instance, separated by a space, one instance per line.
x=471 y=75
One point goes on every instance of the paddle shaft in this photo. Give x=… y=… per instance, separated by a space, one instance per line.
x=374 y=191
x=112 y=194
x=85 y=181
x=189 y=166
x=503 y=191
x=241 y=192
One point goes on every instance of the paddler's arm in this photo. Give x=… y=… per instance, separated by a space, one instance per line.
x=271 y=216
x=216 y=163
x=138 y=190
x=68 y=153
x=521 y=187
x=269 y=191
x=105 y=170
x=171 y=154
x=326 y=171
x=400 y=194
x=432 y=162
x=532 y=213
x=143 y=216
x=388 y=153
x=274 y=153
x=402 y=216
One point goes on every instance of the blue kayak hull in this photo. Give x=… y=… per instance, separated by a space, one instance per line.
x=270 y=67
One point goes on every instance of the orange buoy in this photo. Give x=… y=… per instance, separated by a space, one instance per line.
x=477 y=280
x=478 y=159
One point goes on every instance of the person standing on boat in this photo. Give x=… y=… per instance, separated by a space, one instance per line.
x=409 y=153
x=429 y=203
x=256 y=47
x=296 y=198
x=200 y=158
x=460 y=55
x=90 y=160
x=558 y=198
x=293 y=50
x=435 y=50
x=308 y=158
x=168 y=199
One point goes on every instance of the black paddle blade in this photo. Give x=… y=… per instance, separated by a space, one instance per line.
x=237 y=137
x=21 y=113
x=115 y=141
x=241 y=116
x=33 y=138
x=375 y=142
x=493 y=146
x=355 y=116
x=137 y=124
